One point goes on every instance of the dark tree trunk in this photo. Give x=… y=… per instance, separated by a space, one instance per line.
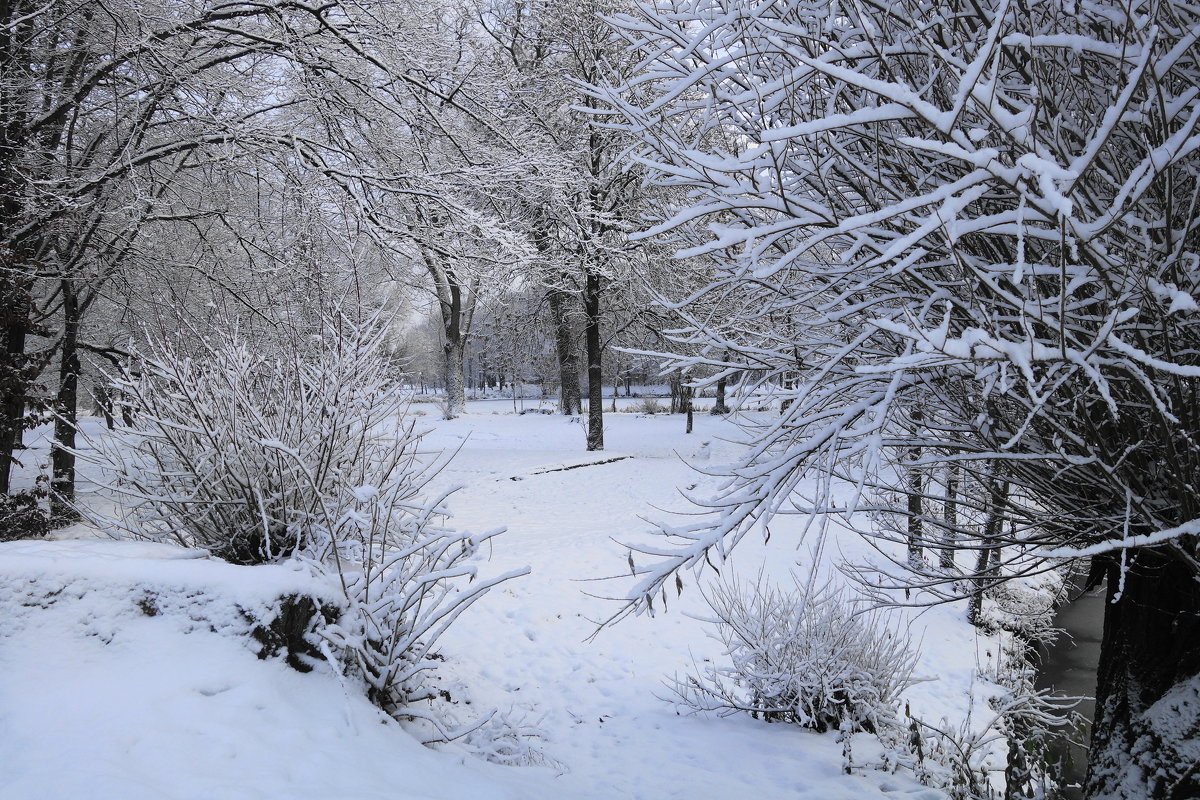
x=62 y=453
x=950 y=519
x=591 y=336
x=569 y=400
x=14 y=318
x=15 y=301
x=989 y=545
x=1147 y=727
x=104 y=405
x=14 y=373
x=916 y=511
x=719 y=406
x=616 y=384
x=916 y=497
x=686 y=393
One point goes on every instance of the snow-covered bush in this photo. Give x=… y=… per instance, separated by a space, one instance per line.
x=407 y=578
x=259 y=456
x=253 y=452
x=23 y=515
x=959 y=761
x=965 y=761
x=510 y=738
x=649 y=405
x=806 y=656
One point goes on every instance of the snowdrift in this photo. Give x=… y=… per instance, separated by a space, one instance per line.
x=137 y=670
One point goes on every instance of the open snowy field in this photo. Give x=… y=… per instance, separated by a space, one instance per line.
x=158 y=712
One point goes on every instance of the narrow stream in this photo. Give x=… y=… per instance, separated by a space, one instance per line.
x=1069 y=668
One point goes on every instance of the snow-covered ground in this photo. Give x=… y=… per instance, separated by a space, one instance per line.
x=103 y=700
x=151 y=710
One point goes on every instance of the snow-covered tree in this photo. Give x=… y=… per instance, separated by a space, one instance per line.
x=581 y=219
x=111 y=117
x=984 y=214
x=411 y=126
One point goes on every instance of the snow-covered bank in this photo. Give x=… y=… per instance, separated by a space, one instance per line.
x=103 y=699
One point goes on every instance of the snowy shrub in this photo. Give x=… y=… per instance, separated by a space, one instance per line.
x=956 y=760
x=509 y=738
x=649 y=405
x=1023 y=607
x=407 y=578
x=1018 y=736
x=260 y=456
x=961 y=761
x=806 y=656
x=24 y=515
x=254 y=454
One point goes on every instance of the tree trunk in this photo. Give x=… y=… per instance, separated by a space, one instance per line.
x=14 y=295
x=719 y=406
x=687 y=400
x=104 y=405
x=456 y=397
x=454 y=350
x=916 y=497
x=591 y=336
x=989 y=545
x=950 y=519
x=127 y=415
x=1147 y=728
x=916 y=510
x=616 y=384
x=62 y=455
x=569 y=400
x=14 y=377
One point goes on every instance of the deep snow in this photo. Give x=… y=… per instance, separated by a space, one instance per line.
x=151 y=710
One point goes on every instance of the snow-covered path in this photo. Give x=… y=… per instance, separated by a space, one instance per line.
x=601 y=702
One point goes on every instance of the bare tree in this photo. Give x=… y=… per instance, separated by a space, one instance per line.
x=582 y=218
x=103 y=109
x=412 y=128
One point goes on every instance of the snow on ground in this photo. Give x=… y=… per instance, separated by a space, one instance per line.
x=100 y=700
x=160 y=713
x=529 y=648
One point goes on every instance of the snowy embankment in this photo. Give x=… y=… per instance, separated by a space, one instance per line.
x=130 y=672
x=100 y=700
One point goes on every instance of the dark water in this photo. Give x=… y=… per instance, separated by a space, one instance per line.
x=1069 y=668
